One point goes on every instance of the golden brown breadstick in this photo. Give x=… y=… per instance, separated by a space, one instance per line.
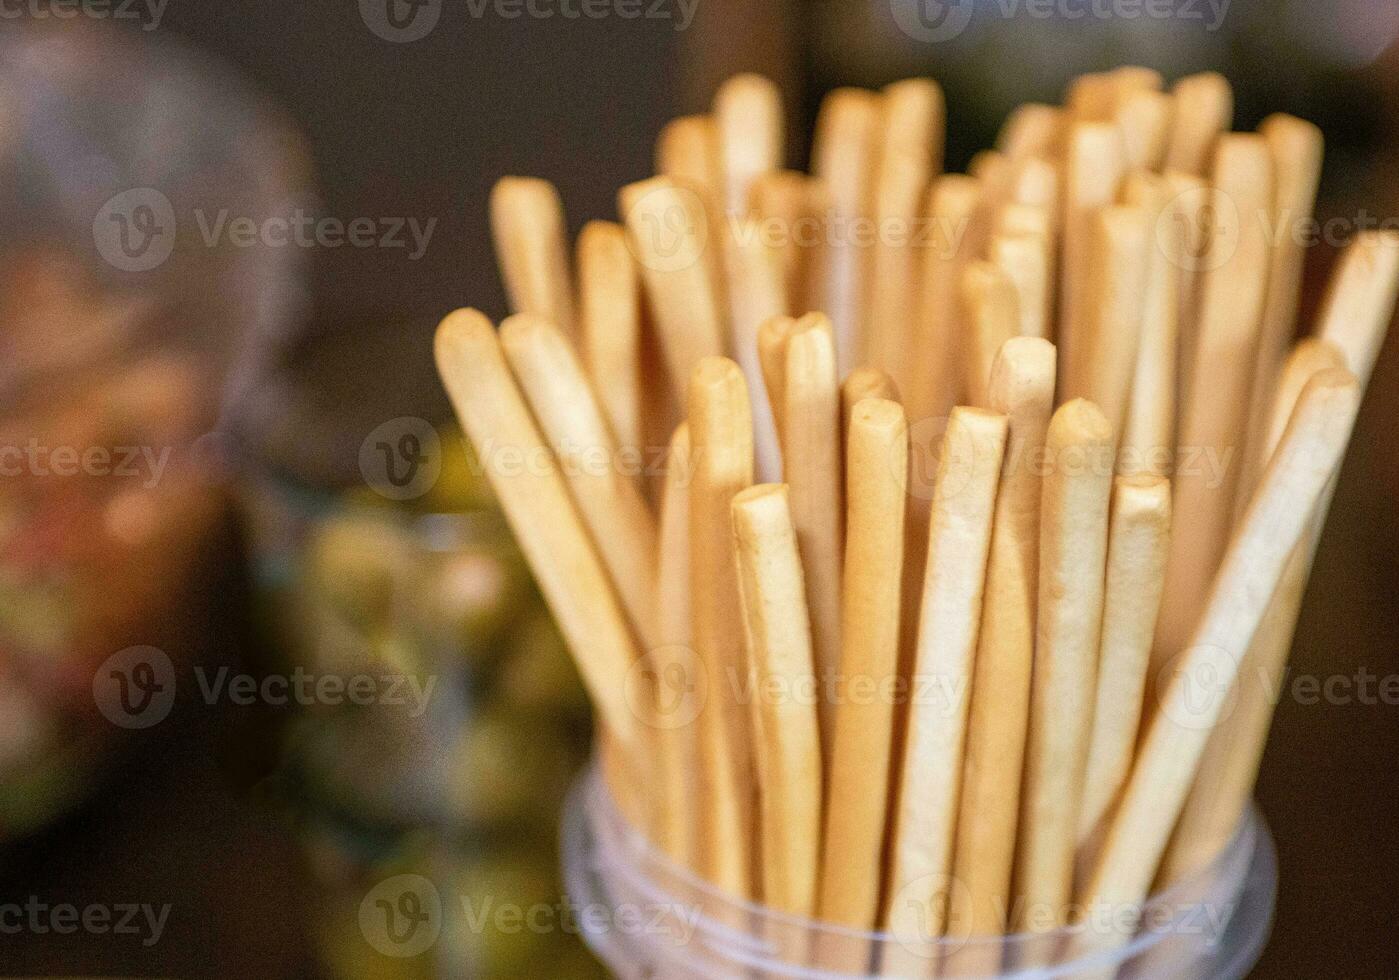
x=1360 y=300
x=609 y=501
x=909 y=156
x=1022 y=387
x=1137 y=540
x=672 y=238
x=609 y=301
x=1144 y=117
x=1183 y=236
x=790 y=207
x=1104 y=358
x=786 y=745
x=1148 y=435
x=1214 y=416
x=844 y=156
x=1204 y=111
x=1305 y=462
x=543 y=516
x=1229 y=766
x=1073 y=553
x=721 y=441
x=748 y=119
x=756 y=295
x=1033 y=129
x=888 y=332
x=859 y=773
x=1297 y=148
x=812 y=468
x=688 y=152
x=674 y=665
x=772 y=357
x=862 y=383
x=1354 y=322
x=1026 y=261
x=953 y=203
x=531 y=246
x=959 y=541
x=990 y=311
x=1093 y=167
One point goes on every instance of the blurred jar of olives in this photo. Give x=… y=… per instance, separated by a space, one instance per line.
x=123 y=335
x=381 y=555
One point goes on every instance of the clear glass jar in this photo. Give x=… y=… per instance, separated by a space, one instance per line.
x=649 y=917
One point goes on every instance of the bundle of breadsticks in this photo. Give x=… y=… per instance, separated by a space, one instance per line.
x=898 y=598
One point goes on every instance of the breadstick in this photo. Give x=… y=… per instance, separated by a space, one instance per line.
x=749 y=122
x=1027 y=261
x=756 y=295
x=1144 y=117
x=542 y=515
x=609 y=300
x=861 y=758
x=1035 y=181
x=1214 y=416
x=1093 y=167
x=1031 y=130
x=1297 y=149
x=670 y=236
x=610 y=503
x=1204 y=110
x=1353 y=323
x=1229 y=766
x=1022 y=387
x=1360 y=300
x=688 y=153
x=1090 y=97
x=812 y=468
x=789 y=205
x=1073 y=554
x=1104 y=358
x=889 y=329
x=1148 y=435
x=844 y=156
x=674 y=665
x=527 y=221
x=862 y=383
x=959 y=540
x=721 y=440
x=952 y=206
x=779 y=657
x=772 y=357
x=1136 y=572
x=1183 y=236
x=992 y=317
x=1276 y=522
